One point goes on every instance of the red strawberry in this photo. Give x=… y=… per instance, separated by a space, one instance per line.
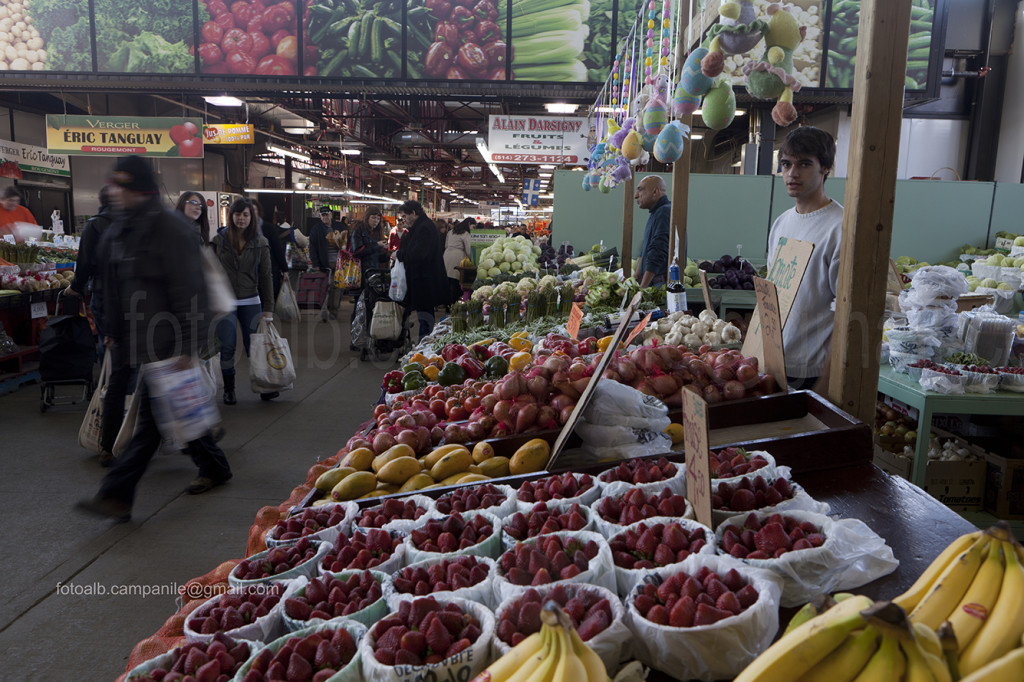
x=682 y=614
x=747 y=596
x=706 y=615
x=542 y=577
x=326 y=656
x=453 y=621
x=664 y=555
x=715 y=588
x=529 y=617
x=569 y=572
x=457 y=647
x=574 y=607
x=392 y=639
x=643 y=604
x=406 y=657
x=438 y=637
x=414 y=641
x=518 y=576
x=675 y=537
x=420 y=609
x=739 y=551
x=816 y=539
x=506 y=628
x=294 y=608
x=299 y=668
x=385 y=624
x=647 y=543
x=733 y=580
x=657 y=614
x=729 y=602
x=743 y=500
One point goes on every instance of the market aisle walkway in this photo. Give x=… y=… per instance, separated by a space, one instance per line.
x=52 y=624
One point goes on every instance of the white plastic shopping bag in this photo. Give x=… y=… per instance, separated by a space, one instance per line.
x=399 y=286
x=92 y=426
x=181 y=401
x=287 y=306
x=270 y=360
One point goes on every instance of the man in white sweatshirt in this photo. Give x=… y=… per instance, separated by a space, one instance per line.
x=806 y=158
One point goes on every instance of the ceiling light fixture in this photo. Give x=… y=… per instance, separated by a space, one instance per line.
x=415 y=178
x=223 y=100
x=697 y=136
x=281 y=151
x=377 y=162
x=610 y=110
x=561 y=108
x=398 y=171
x=544 y=175
x=298 y=131
x=547 y=166
x=349 y=152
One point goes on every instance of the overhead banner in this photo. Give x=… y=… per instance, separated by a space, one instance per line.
x=32 y=159
x=123 y=135
x=228 y=133
x=538 y=139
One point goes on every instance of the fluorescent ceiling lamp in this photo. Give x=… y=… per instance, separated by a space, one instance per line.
x=697 y=136
x=497 y=173
x=254 y=190
x=415 y=178
x=349 y=152
x=398 y=171
x=281 y=151
x=375 y=201
x=223 y=100
x=481 y=146
x=472 y=132
x=298 y=131
x=377 y=162
x=741 y=112
x=544 y=175
x=561 y=108
x=547 y=166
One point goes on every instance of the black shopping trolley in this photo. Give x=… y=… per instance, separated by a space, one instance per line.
x=67 y=353
x=377 y=290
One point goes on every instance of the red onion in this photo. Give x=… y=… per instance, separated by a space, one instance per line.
x=423 y=438
x=538 y=387
x=560 y=401
x=408 y=438
x=580 y=384
x=567 y=389
x=436 y=435
x=453 y=433
x=547 y=417
x=526 y=417
x=507 y=388
x=556 y=363
x=356 y=442
x=747 y=375
x=577 y=370
x=488 y=402
x=566 y=412
x=734 y=390
x=475 y=431
x=612 y=374
x=712 y=394
x=663 y=384
x=502 y=409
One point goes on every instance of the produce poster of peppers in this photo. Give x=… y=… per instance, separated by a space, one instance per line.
x=810 y=15
x=360 y=39
x=46 y=35
x=842 y=43
x=155 y=37
x=251 y=37
x=457 y=40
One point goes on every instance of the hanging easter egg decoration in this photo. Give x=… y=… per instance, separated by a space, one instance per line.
x=692 y=79
x=683 y=103
x=719 y=106
x=655 y=116
x=633 y=145
x=649 y=141
x=669 y=146
x=603 y=186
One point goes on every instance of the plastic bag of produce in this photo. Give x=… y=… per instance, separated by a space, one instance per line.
x=600 y=569
x=522 y=525
x=799 y=500
x=913 y=341
x=696 y=652
x=627 y=578
x=263 y=629
x=401 y=526
x=616 y=404
x=307 y=567
x=464 y=665
x=167 y=660
x=350 y=672
x=399 y=287
x=299 y=589
x=951 y=384
x=489 y=546
x=620 y=478
x=935 y=285
x=328 y=534
x=455 y=500
x=942 y=321
x=606 y=634
x=850 y=553
x=553 y=488
x=287 y=306
x=481 y=591
x=181 y=402
x=901 y=362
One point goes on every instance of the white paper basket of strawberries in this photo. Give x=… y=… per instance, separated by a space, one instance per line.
x=596 y=612
x=1011 y=379
x=564 y=487
x=811 y=553
x=499 y=500
x=612 y=513
x=303 y=654
x=477 y=533
x=656 y=543
x=544 y=518
x=182 y=660
x=539 y=561
x=251 y=613
x=761 y=498
x=354 y=595
x=397 y=648
x=326 y=531
x=727 y=462
x=398 y=515
x=375 y=549
x=279 y=563
x=470 y=576
x=648 y=474
x=696 y=640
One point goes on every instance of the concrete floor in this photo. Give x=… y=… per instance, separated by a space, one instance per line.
x=49 y=628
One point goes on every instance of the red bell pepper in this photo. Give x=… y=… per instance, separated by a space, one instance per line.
x=487 y=32
x=567 y=347
x=439 y=9
x=452 y=351
x=482 y=353
x=587 y=346
x=393 y=381
x=473 y=367
x=501 y=349
x=462 y=17
x=485 y=9
x=448 y=33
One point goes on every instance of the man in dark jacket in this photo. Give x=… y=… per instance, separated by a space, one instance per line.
x=155 y=309
x=278 y=257
x=653 y=266
x=421 y=252
x=319 y=254
x=89 y=265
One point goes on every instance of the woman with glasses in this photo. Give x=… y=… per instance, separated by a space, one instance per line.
x=245 y=255
x=193 y=206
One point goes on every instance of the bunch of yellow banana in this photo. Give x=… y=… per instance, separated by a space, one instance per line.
x=555 y=654
x=854 y=640
x=1009 y=668
x=977 y=584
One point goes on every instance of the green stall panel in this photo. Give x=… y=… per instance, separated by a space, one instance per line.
x=1007 y=211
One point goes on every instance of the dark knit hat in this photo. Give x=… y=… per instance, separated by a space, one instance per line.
x=135 y=174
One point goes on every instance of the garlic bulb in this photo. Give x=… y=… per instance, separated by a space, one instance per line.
x=699 y=328
x=692 y=340
x=708 y=316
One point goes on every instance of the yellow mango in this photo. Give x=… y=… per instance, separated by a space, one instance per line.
x=495 y=467
x=482 y=451
x=399 y=470
x=473 y=478
x=675 y=432
x=392 y=453
x=531 y=456
x=455 y=462
x=437 y=454
x=332 y=477
x=359 y=459
x=417 y=482
x=354 y=485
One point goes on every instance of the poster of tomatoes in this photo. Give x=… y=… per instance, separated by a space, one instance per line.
x=250 y=38
x=156 y=40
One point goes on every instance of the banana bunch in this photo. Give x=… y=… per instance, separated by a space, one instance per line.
x=857 y=640
x=977 y=584
x=555 y=654
x=1009 y=668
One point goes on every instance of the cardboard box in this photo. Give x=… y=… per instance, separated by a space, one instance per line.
x=1004 y=488
x=902 y=408
x=958 y=485
x=892 y=463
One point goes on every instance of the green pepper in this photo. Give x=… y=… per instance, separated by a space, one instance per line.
x=413 y=367
x=495 y=367
x=413 y=381
x=451 y=374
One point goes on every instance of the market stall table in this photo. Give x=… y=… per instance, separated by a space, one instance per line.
x=724 y=300
x=903 y=388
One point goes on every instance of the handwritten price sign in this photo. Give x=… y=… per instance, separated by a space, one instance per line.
x=771 y=330
x=575 y=318
x=698 y=465
x=639 y=328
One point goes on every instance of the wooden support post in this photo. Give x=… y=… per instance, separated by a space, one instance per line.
x=679 y=195
x=870 y=196
x=627 y=225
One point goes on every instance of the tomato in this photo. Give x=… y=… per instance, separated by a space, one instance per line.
x=278 y=36
x=310 y=53
x=240 y=62
x=380 y=410
x=226 y=20
x=486 y=388
x=309 y=71
x=274 y=65
x=179 y=134
x=192 y=147
x=217 y=8
x=458 y=413
x=255 y=25
x=279 y=16
x=471 y=403
x=260 y=44
x=243 y=12
x=218 y=69
x=236 y=40
x=212 y=32
x=287 y=47
x=438 y=408
x=211 y=54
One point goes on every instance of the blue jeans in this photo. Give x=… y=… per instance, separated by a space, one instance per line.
x=249 y=318
x=96 y=308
